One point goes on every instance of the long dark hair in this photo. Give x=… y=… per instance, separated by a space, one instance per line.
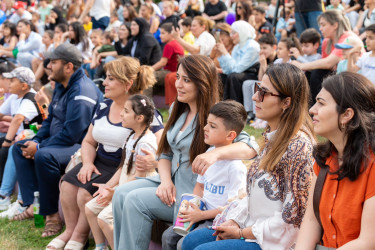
x=202 y=72
x=351 y=90
x=141 y=105
x=80 y=35
x=247 y=10
x=12 y=27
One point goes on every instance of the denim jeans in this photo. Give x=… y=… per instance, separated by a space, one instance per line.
x=203 y=240
x=9 y=177
x=305 y=20
x=102 y=23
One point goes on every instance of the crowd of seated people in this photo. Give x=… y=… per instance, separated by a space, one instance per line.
x=80 y=125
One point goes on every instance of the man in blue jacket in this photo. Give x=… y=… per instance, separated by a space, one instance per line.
x=40 y=164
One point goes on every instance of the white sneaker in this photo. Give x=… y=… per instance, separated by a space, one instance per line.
x=14 y=209
x=4 y=203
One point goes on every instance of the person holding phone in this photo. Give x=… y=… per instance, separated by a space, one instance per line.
x=102 y=147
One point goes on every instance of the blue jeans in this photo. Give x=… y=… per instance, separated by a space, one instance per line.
x=310 y=19
x=102 y=23
x=203 y=240
x=9 y=177
x=42 y=174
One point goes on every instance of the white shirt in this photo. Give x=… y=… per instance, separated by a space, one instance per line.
x=148 y=142
x=206 y=42
x=367 y=65
x=222 y=181
x=101 y=8
x=14 y=106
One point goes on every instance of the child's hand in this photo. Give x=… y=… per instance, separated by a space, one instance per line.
x=101 y=187
x=294 y=52
x=193 y=215
x=262 y=60
x=106 y=196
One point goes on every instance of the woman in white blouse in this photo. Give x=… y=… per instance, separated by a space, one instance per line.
x=278 y=179
x=204 y=41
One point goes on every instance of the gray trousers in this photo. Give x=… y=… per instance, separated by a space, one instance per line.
x=135 y=206
x=172 y=241
x=248 y=92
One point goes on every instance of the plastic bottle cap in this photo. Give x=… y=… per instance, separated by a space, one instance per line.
x=36 y=193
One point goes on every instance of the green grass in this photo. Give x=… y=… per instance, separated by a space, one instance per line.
x=24 y=235
x=21 y=235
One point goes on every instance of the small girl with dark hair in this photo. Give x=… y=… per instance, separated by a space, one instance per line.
x=9 y=40
x=137 y=115
x=283 y=49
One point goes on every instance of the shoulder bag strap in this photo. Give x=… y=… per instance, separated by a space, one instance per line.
x=318 y=192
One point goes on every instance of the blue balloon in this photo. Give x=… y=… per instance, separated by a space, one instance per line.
x=230 y=18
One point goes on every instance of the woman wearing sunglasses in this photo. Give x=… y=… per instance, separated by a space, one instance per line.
x=278 y=179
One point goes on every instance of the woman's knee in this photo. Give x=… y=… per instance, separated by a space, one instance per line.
x=83 y=196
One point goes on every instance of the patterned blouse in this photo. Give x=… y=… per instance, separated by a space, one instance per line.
x=276 y=202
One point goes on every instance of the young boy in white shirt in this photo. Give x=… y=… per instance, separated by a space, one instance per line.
x=223 y=179
x=366 y=63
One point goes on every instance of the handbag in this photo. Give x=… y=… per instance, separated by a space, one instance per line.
x=74 y=161
x=316 y=200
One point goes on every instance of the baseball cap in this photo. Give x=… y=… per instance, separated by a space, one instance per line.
x=21 y=73
x=67 y=52
x=349 y=42
x=19 y=4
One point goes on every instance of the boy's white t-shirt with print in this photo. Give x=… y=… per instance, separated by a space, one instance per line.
x=14 y=106
x=222 y=181
x=367 y=65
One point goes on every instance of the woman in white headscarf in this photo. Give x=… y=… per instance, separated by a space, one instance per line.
x=243 y=64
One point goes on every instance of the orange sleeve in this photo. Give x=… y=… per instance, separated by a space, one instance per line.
x=370 y=189
x=316 y=168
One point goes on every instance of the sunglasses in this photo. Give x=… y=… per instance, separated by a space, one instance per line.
x=262 y=92
x=239 y=7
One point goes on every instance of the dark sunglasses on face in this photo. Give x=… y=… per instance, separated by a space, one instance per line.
x=262 y=92
x=239 y=7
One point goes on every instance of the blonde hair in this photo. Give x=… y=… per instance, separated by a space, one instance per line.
x=127 y=69
x=343 y=24
x=209 y=24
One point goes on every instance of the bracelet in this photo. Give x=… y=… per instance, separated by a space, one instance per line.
x=7 y=140
x=241 y=234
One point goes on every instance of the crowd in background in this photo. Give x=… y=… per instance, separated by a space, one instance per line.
x=76 y=88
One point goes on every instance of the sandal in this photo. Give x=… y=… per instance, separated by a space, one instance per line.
x=74 y=245
x=25 y=215
x=56 y=244
x=52 y=227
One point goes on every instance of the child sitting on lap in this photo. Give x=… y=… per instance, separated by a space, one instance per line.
x=223 y=179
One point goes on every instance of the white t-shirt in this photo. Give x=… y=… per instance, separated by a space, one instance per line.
x=13 y=106
x=206 y=42
x=148 y=142
x=367 y=65
x=222 y=181
x=101 y=8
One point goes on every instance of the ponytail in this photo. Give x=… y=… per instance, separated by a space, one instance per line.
x=145 y=79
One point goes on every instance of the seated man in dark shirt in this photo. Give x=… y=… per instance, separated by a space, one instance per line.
x=215 y=10
x=262 y=26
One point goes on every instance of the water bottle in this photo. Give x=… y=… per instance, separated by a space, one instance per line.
x=38 y=219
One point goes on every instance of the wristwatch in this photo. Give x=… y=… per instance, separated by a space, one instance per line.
x=45 y=106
